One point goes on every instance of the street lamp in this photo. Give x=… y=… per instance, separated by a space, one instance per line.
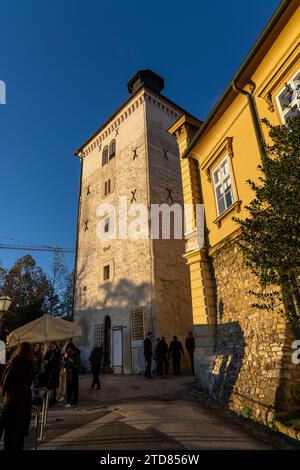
x=4 y=306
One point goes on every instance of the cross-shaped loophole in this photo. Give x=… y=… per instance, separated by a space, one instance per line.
x=135 y=155
x=133 y=198
x=169 y=194
x=88 y=190
x=165 y=156
x=86 y=225
x=99 y=147
x=117 y=131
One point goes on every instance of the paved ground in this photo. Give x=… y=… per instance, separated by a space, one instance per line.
x=137 y=413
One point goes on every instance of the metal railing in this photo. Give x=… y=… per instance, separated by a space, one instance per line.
x=40 y=393
x=36 y=427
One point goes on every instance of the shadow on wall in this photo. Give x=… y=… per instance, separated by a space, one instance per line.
x=229 y=355
x=113 y=299
x=287 y=400
x=124 y=292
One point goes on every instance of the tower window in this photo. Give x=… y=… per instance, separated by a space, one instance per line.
x=107 y=187
x=112 y=149
x=106 y=272
x=105 y=156
x=106 y=225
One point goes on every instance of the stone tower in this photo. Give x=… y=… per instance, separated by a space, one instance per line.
x=126 y=286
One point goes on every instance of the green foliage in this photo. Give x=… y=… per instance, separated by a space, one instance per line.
x=270 y=236
x=247 y=412
x=66 y=304
x=33 y=293
x=28 y=287
x=58 y=279
x=273 y=425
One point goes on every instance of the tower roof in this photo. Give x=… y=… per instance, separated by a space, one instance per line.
x=148 y=78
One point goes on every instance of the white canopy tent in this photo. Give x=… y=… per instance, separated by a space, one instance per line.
x=44 y=330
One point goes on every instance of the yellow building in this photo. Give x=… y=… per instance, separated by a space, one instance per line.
x=243 y=356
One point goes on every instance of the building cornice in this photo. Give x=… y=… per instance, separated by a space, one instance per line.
x=123 y=112
x=261 y=46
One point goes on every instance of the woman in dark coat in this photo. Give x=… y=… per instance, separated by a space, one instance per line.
x=72 y=364
x=51 y=371
x=16 y=392
x=37 y=365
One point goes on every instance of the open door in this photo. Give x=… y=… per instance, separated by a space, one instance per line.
x=107 y=343
x=118 y=350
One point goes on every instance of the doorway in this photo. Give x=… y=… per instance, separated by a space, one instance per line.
x=107 y=343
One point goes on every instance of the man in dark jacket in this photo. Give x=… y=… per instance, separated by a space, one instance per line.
x=95 y=359
x=190 y=347
x=148 y=355
x=175 y=351
x=72 y=364
x=162 y=357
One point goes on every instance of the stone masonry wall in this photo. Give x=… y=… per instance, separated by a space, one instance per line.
x=146 y=274
x=252 y=371
x=130 y=287
x=173 y=310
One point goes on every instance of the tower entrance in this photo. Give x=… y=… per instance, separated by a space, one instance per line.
x=107 y=343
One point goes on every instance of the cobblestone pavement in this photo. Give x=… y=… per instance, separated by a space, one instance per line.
x=132 y=412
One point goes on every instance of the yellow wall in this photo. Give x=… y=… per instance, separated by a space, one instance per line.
x=231 y=132
x=278 y=65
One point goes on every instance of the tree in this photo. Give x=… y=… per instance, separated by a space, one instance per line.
x=58 y=280
x=28 y=287
x=67 y=297
x=270 y=237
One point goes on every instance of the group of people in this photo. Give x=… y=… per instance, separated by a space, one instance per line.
x=164 y=352
x=58 y=370
x=27 y=366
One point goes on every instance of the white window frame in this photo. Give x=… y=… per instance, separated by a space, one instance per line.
x=296 y=99
x=226 y=158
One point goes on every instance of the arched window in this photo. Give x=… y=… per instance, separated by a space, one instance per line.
x=112 y=149
x=105 y=156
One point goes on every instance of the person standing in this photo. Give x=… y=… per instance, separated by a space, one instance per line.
x=2 y=357
x=176 y=351
x=52 y=365
x=72 y=365
x=37 y=365
x=62 y=374
x=156 y=367
x=16 y=392
x=162 y=357
x=95 y=359
x=148 y=355
x=190 y=347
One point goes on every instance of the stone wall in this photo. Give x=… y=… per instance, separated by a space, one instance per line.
x=173 y=309
x=148 y=274
x=131 y=284
x=251 y=370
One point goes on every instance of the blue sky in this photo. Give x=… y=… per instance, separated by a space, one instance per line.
x=66 y=65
